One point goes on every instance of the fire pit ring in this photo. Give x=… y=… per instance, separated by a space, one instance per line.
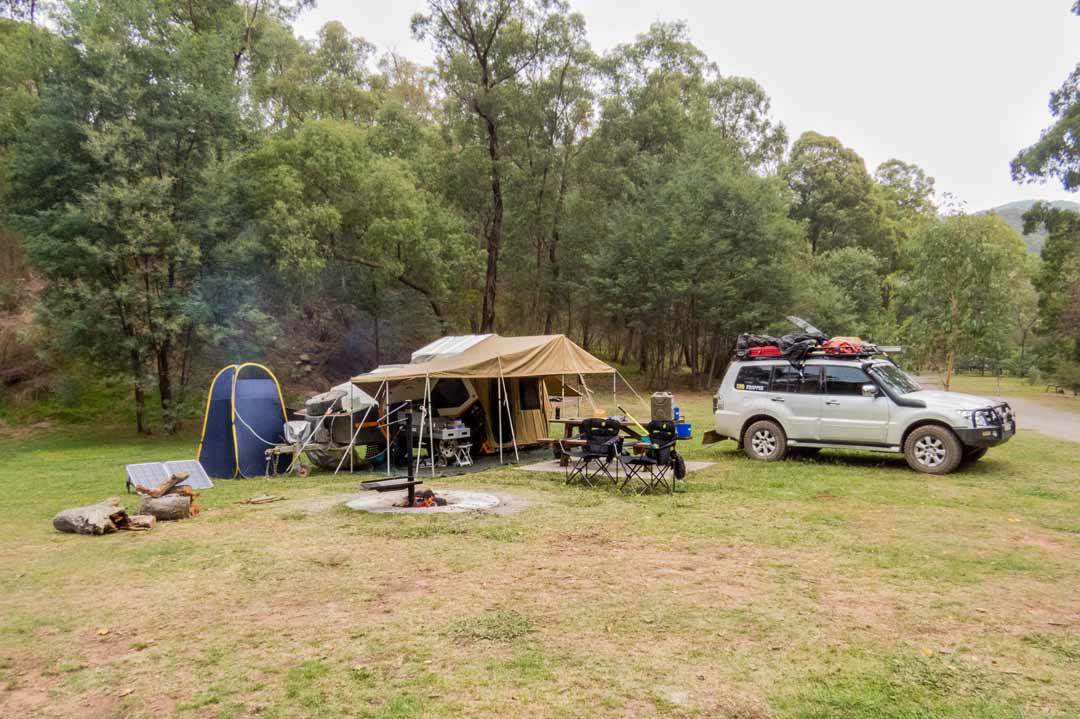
x=456 y=501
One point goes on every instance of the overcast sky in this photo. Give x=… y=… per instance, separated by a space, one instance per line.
x=955 y=86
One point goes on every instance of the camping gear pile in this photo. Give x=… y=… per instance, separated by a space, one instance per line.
x=800 y=346
x=472 y=394
x=500 y=389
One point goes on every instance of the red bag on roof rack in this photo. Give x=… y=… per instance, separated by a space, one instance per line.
x=767 y=351
x=844 y=346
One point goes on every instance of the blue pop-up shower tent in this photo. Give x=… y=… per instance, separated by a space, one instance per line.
x=245 y=414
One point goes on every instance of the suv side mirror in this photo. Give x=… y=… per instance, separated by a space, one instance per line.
x=869 y=390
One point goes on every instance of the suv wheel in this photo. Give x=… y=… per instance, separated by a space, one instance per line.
x=933 y=450
x=974 y=454
x=765 y=440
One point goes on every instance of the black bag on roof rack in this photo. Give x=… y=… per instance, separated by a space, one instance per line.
x=746 y=341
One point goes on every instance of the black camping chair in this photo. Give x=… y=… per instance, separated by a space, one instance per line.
x=592 y=461
x=653 y=468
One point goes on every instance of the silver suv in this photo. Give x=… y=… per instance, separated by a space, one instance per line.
x=772 y=408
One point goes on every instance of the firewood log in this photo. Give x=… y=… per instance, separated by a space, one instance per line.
x=171 y=506
x=101 y=518
x=141 y=521
x=163 y=488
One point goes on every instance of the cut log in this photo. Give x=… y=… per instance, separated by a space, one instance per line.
x=163 y=488
x=169 y=507
x=141 y=521
x=101 y=518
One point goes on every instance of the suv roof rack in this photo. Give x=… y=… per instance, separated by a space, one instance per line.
x=868 y=352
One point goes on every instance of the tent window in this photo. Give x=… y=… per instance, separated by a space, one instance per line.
x=448 y=393
x=529 y=393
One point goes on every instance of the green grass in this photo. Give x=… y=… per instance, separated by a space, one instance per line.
x=846 y=586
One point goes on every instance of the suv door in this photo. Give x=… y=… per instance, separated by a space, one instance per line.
x=751 y=384
x=846 y=415
x=794 y=398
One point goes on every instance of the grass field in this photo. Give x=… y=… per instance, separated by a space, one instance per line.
x=848 y=586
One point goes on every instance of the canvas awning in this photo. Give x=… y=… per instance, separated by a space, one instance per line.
x=494 y=357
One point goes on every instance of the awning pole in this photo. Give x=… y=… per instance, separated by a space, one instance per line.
x=614 y=390
x=431 y=425
x=506 y=399
x=389 y=434
x=499 y=405
x=420 y=443
x=352 y=442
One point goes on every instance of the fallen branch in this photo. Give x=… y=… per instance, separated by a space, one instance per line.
x=261 y=499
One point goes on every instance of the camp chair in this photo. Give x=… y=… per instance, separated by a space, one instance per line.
x=593 y=460
x=653 y=468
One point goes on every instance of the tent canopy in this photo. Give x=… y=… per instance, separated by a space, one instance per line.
x=491 y=357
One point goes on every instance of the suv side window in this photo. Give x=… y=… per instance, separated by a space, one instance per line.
x=787 y=378
x=754 y=378
x=845 y=380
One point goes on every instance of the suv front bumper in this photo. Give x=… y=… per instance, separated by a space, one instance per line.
x=986 y=436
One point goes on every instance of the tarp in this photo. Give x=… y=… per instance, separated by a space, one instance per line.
x=496 y=356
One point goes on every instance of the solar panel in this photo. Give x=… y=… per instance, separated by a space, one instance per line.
x=151 y=474
x=197 y=478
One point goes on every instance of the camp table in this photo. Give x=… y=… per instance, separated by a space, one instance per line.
x=572 y=423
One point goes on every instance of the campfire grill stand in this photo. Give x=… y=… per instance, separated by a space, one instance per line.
x=409 y=481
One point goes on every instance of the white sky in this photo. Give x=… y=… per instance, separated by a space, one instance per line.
x=955 y=86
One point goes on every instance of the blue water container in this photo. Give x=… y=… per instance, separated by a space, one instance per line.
x=684 y=430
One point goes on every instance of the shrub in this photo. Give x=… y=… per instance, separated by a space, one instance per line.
x=1068 y=376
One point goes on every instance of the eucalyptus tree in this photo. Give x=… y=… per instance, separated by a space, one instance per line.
x=1058 y=280
x=967 y=269
x=1056 y=153
x=834 y=196
x=740 y=109
x=483 y=49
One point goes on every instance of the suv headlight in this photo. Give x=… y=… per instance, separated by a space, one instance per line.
x=977 y=417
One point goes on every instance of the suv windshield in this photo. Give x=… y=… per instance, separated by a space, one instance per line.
x=898 y=380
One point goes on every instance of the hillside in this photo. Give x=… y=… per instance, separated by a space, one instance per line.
x=1013 y=213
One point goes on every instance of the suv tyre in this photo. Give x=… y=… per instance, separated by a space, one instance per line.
x=765 y=440
x=974 y=454
x=933 y=449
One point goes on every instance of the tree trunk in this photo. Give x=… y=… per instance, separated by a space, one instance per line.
x=140 y=398
x=494 y=234
x=949 y=360
x=553 y=249
x=165 y=388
